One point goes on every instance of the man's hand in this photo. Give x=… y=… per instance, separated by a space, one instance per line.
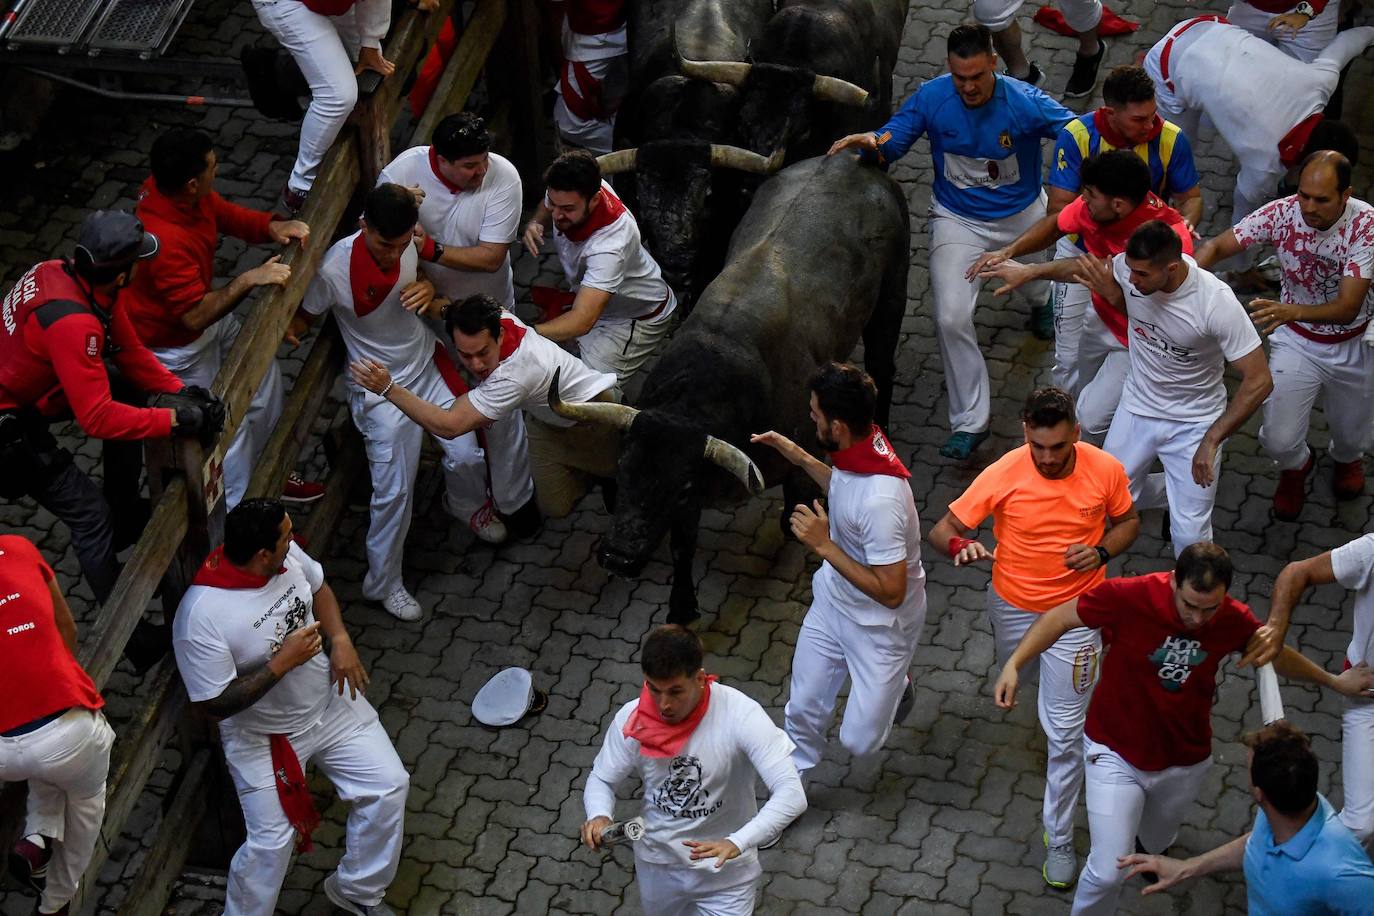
x=775 y=440
x=1269 y=315
x=1170 y=871
x=721 y=850
x=1013 y=275
x=417 y=296
x=867 y=141
x=1288 y=25
x=372 y=59
x=533 y=237
x=811 y=527
x=1096 y=275
x=1082 y=558
x=295 y=330
x=592 y=830
x=1004 y=691
x=283 y=232
x=344 y=665
x=986 y=261
x=1204 y=463
x=299 y=647
x=371 y=374
x=1357 y=681
x=425 y=6
x=972 y=552
x=1264 y=645
x=417 y=193
x=271 y=272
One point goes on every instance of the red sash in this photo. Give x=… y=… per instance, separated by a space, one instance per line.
x=871 y=455
x=434 y=167
x=1295 y=141
x=1104 y=127
x=610 y=210
x=511 y=336
x=219 y=572
x=370 y=284
x=583 y=98
x=658 y=738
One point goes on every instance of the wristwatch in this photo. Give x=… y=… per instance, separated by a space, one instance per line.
x=1102 y=554
x=1306 y=9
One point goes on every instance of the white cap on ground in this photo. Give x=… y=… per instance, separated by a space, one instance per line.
x=506 y=698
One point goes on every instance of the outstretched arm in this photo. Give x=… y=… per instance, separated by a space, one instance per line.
x=1295 y=579
x=1228 y=857
x=446 y=423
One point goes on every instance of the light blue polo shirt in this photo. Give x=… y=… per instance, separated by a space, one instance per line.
x=1320 y=871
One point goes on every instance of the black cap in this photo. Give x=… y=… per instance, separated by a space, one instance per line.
x=110 y=238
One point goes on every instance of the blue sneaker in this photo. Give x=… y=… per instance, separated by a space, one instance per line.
x=961 y=444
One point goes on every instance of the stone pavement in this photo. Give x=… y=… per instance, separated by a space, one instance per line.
x=945 y=820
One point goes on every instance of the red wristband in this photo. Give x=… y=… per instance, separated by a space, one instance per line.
x=957 y=544
x=427 y=249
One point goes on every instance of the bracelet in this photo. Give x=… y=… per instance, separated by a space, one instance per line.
x=382 y=394
x=957 y=544
x=1102 y=555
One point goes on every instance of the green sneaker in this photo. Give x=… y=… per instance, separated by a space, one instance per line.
x=1061 y=864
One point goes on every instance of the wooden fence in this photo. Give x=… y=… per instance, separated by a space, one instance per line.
x=185 y=479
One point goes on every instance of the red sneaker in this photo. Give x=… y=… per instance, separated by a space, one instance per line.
x=1291 y=492
x=1348 y=478
x=300 y=491
x=29 y=861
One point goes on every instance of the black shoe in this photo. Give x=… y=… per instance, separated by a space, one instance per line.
x=147 y=646
x=1042 y=321
x=1149 y=877
x=523 y=522
x=1033 y=76
x=1084 y=77
x=1164 y=533
x=906 y=703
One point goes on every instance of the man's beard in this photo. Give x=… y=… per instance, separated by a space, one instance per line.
x=830 y=445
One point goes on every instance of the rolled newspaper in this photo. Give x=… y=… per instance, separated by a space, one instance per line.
x=1271 y=702
x=623 y=832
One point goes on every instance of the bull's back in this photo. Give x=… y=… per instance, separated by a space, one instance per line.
x=719 y=29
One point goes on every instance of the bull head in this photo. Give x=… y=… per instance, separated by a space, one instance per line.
x=733 y=72
x=620 y=416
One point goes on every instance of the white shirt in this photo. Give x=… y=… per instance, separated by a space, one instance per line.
x=220 y=634
x=462 y=219
x=1353 y=564
x=1315 y=262
x=523 y=379
x=1180 y=343
x=577 y=46
x=391 y=335
x=873 y=520
x=613 y=259
x=707 y=791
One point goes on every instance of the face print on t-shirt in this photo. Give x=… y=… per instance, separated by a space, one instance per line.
x=1175 y=660
x=294 y=619
x=683 y=793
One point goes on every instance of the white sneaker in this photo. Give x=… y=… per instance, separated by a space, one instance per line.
x=402 y=605
x=331 y=890
x=1061 y=864
x=487 y=525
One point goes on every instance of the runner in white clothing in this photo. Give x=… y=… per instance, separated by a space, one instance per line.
x=594 y=74
x=1325 y=243
x=1185 y=325
x=516 y=370
x=869 y=596
x=621 y=309
x=696 y=746
x=1300 y=30
x=250 y=645
x=469 y=208
x=370 y=284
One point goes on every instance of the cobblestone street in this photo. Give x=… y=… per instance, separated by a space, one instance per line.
x=945 y=820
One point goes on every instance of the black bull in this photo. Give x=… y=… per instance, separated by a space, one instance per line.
x=820 y=259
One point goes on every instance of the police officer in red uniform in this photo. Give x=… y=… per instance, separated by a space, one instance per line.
x=64 y=339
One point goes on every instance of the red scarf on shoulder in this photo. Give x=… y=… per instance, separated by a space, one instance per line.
x=872 y=455
x=610 y=210
x=656 y=737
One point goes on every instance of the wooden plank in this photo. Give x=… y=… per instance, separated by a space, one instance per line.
x=517 y=79
x=308 y=395
x=148 y=894
x=463 y=68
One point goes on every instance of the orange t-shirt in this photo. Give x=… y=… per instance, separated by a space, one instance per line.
x=1036 y=519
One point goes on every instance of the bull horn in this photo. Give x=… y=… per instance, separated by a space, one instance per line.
x=723 y=454
x=717 y=71
x=732 y=157
x=622 y=160
x=603 y=413
x=834 y=89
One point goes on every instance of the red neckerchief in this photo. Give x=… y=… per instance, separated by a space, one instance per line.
x=219 y=572
x=511 y=335
x=292 y=791
x=873 y=455
x=371 y=285
x=658 y=738
x=434 y=167
x=1104 y=128
x=599 y=218
x=1295 y=141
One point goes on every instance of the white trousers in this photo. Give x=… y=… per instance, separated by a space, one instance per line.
x=623 y=347
x=325 y=48
x=1103 y=363
x=673 y=890
x=65 y=763
x=1341 y=374
x=1357 y=770
x=352 y=749
x=998 y=15
x=1125 y=803
x=198 y=363
x=955 y=243
x=1067 y=673
x=393 y=442
x=830 y=647
x=1310 y=41
x=1070 y=301
x=1137 y=441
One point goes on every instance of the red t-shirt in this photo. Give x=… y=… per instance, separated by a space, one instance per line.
x=39 y=675
x=1107 y=240
x=1153 y=705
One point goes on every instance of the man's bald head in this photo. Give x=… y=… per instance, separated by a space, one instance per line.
x=1323 y=188
x=1329 y=168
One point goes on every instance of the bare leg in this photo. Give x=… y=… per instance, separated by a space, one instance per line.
x=1008 y=44
x=1087 y=42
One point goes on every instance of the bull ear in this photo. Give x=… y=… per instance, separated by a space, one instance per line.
x=622 y=160
x=834 y=89
x=733 y=157
x=723 y=454
x=603 y=413
x=732 y=72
